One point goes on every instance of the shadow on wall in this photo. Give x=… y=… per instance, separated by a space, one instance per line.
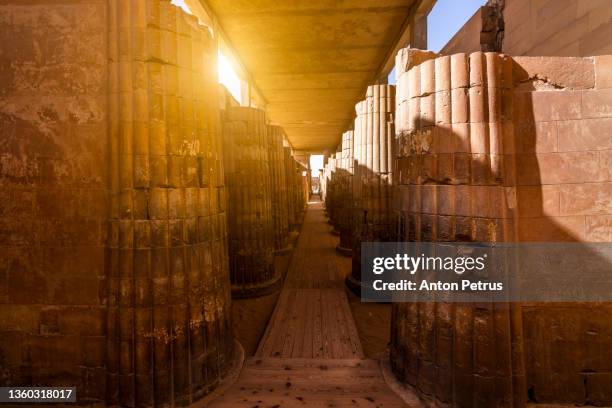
x=507 y=180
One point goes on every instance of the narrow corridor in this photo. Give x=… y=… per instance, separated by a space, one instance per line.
x=310 y=354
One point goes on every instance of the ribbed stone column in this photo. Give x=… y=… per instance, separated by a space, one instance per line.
x=251 y=224
x=113 y=247
x=331 y=199
x=169 y=336
x=374 y=133
x=276 y=136
x=290 y=176
x=451 y=188
x=297 y=187
x=498 y=149
x=345 y=185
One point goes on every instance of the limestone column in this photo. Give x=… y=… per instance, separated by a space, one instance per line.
x=251 y=224
x=168 y=334
x=374 y=132
x=450 y=186
x=291 y=187
x=345 y=217
x=279 y=188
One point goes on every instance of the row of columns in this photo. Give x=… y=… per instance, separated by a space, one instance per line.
x=116 y=249
x=450 y=157
x=358 y=178
x=266 y=198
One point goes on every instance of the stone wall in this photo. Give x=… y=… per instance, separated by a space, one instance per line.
x=55 y=194
x=500 y=149
x=569 y=28
x=113 y=272
x=474 y=35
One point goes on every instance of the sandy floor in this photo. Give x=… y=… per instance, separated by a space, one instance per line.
x=373 y=322
x=251 y=316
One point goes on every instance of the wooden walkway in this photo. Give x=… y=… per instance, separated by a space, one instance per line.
x=310 y=354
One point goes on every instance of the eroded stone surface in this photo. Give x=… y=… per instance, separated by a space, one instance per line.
x=515 y=154
x=113 y=247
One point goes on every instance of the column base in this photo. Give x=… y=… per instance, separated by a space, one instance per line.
x=231 y=376
x=353 y=284
x=283 y=251
x=256 y=290
x=344 y=251
x=406 y=392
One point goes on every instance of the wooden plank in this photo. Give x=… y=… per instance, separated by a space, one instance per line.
x=326 y=330
x=353 y=334
x=317 y=340
x=276 y=339
x=307 y=401
x=266 y=342
x=310 y=382
x=332 y=323
x=309 y=329
x=301 y=324
x=312 y=321
x=301 y=363
x=340 y=320
x=290 y=334
x=331 y=387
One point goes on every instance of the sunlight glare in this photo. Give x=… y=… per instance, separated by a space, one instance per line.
x=229 y=78
x=316 y=163
x=181 y=4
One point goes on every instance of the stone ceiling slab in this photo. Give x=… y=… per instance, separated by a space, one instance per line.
x=312 y=59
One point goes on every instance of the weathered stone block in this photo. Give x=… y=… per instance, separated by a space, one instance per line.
x=603 y=71
x=597 y=103
x=599 y=228
x=556 y=168
x=528 y=157
x=555 y=72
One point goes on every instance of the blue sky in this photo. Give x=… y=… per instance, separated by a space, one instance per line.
x=445 y=19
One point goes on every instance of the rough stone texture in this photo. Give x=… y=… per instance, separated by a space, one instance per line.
x=301 y=186
x=290 y=177
x=517 y=153
x=554 y=73
x=276 y=136
x=331 y=187
x=54 y=195
x=113 y=253
x=373 y=168
x=345 y=187
x=169 y=323
x=568 y=28
x=251 y=225
x=297 y=189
